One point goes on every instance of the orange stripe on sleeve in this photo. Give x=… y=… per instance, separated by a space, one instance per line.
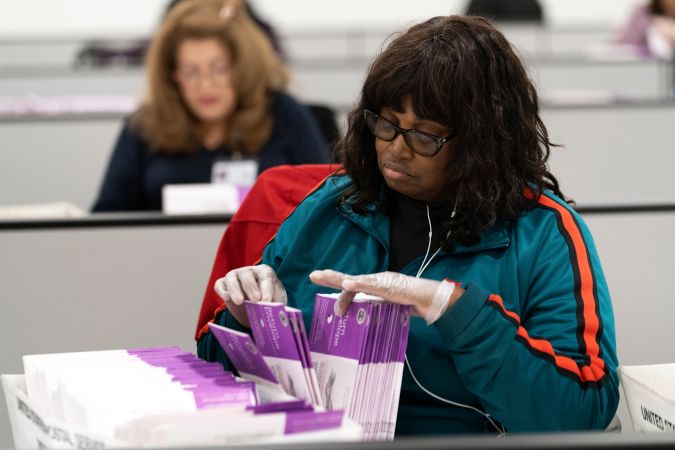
x=588 y=373
x=585 y=293
x=587 y=289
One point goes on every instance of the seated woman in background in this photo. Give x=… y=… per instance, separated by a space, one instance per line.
x=215 y=91
x=446 y=179
x=651 y=29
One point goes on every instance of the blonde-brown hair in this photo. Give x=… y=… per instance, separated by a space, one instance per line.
x=164 y=119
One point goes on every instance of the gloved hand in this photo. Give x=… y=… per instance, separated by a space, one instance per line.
x=429 y=298
x=254 y=283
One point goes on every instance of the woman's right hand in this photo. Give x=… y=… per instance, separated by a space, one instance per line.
x=253 y=283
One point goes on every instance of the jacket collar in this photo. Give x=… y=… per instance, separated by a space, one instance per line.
x=377 y=225
x=496 y=237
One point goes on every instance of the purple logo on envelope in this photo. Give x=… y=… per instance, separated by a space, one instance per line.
x=269 y=324
x=283 y=318
x=340 y=336
x=250 y=346
x=242 y=352
x=361 y=316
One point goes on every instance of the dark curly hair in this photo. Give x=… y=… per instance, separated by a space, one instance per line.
x=657 y=8
x=460 y=72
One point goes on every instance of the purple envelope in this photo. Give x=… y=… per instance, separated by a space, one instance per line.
x=272 y=326
x=304 y=421
x=243 y=353
x=272 y=330
x=340 y=336
x=216 y=397
x=292 y=405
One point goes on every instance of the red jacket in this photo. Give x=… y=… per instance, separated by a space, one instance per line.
x=274 y=196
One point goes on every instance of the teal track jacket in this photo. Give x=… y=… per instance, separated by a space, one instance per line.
x=531 y=342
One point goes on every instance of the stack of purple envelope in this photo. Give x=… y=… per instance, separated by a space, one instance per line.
x=280 y=357
x=99 y=391
x=358 y=359
x=352 y=363
x=166 y=397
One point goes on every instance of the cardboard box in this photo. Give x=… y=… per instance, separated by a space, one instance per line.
x=650 y=394
x=32 y=429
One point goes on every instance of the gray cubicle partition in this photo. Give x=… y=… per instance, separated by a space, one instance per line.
x=55 y=159
x=636 y=253
x=612 y=154
x=329 y=67
x=84 y=287
x=351 y=41
x=68 y=81
x=339 y=83
x=622 y=79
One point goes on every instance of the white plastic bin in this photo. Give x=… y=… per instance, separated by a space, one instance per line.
x=650 y=394
x=212 y=427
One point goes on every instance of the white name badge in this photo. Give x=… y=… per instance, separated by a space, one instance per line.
x=241 y=172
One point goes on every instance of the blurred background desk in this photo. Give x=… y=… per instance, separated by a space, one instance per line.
x=613 y=153
x=335 y=79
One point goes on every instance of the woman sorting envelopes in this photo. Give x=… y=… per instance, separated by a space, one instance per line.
x=446 y=204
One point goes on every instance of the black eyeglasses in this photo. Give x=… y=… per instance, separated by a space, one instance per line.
x=422 y=143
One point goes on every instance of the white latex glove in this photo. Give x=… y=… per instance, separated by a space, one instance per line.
x=254 y=283
x=394 y=287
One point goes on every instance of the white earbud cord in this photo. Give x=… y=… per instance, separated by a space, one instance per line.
x=426 y=263
x=423 y=267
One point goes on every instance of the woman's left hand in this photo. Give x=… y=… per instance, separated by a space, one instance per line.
x=392 y=286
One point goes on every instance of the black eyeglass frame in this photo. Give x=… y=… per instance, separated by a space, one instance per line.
x=440 y=141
